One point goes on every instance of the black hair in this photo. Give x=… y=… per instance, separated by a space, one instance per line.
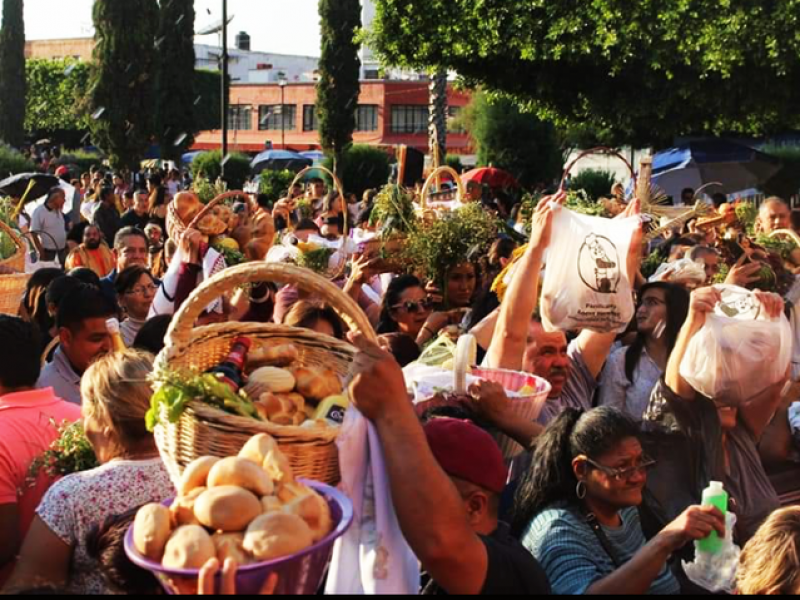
x=152 y=334
x=126 y=232
x=502 y=248
x=105 y=192
x=85 y=275
x=403 y=347
x=677 y=302
x=59 y=289
x=686 y=191
x=21 y=366
x=129 y=278
x=35 y=298
x=82 y=303
x=719 y=199
x=305 y=315
x=550 y=478
x=386 y=323
x=307 y=225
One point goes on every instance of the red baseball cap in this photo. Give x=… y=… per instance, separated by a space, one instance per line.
x=465 y=451
x=62 y=170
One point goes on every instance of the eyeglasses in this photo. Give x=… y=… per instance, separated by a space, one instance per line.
x=415 y=307
x=652 y=303
x=624 y=474
x=140 y=290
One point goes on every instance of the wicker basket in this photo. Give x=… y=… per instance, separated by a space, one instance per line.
x=601 y=150
x=337 y=271
x=175 y=224
x=436 y=174
x=206 y=431
x=12 y=287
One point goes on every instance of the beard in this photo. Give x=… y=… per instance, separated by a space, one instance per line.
x=94 y=245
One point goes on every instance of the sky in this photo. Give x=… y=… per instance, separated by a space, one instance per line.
x=279 y=26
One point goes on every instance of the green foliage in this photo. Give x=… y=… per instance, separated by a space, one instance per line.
x=434 y=249
x=747 y=214
x=339 y=69
x=580 y=202
x=12 y=162
x=786 y=182
x=636 y=68
x=12 y=74
x=394 y=211
x=317 y=260
x=208 y=103
x=597 y=183
x=209 y=166
x=206 y=190
x=123 y=83
x=515 y=141
x=56 y=95
x=454 y=162
x=79 y=160
x=275 y=184
x=70 y=453
x=176 y=123
x=362 y=168
x=232 y=257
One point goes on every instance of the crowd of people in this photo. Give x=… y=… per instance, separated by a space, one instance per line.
x=606 y=498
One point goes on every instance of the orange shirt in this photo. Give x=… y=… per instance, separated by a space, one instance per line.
x=101 y=261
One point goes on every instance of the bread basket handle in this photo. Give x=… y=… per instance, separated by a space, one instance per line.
x=221 y=198
x=466 y=356
x=599 y=150
x=336 y=182
x=184 y=321
x=462 y=192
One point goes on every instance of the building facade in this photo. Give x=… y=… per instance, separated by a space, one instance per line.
x=389 y=114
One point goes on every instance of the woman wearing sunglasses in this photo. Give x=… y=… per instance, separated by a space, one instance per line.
x=577 y=512
x=408 y=309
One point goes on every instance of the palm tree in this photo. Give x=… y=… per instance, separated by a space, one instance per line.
x=437 y=125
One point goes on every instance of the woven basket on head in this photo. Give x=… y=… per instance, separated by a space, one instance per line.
x=176 y=226
x=12 y=287
x=335 y=271
x=206 y=431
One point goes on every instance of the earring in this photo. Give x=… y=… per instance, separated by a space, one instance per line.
x=580 y=490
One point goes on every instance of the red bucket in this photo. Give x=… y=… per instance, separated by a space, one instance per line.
x=299 y=574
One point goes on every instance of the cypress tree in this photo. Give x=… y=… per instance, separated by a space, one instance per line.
x=437 y=126
x=177 y=124
x=12 y=74
x=123 y=82
x=338 y=88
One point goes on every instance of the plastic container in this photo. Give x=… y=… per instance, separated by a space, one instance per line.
x=714 y=495
x=299 y=574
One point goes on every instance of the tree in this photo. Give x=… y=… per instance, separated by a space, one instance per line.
x=12 y=74
x=123 y=82
x=362 y=168
x=648 y=71
x=437 y=127
x=339 y=66
x=515 y=141
x=56 y=99
x=176 y=124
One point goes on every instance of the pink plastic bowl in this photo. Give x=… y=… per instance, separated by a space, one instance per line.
x=299 y=574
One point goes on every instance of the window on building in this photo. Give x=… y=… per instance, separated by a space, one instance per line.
x=367 y=117
x=372 y=74
x=310 y=122
x=273 y=117
x=410 y=119
x=240 y=117
x=454 y=113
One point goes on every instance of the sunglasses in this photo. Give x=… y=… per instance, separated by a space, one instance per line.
x=624 y=474
x=415 y=307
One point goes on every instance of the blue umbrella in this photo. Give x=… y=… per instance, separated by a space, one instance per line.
x=279 y=159
x=314 y=155
x=189 y=157
x=694 y=164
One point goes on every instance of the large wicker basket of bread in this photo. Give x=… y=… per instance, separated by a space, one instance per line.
x=292 y=375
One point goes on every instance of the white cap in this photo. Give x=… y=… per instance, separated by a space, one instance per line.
x=716 y=486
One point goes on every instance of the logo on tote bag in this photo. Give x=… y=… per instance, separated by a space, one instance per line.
x=598 y=265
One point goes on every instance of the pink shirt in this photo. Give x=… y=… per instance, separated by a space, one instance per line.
x=26 y=431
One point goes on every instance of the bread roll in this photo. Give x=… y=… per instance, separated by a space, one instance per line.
x=231 y=545
x=190 y=547
x=196 y=474
x=288 y=492
x=279 y=408
x=258 y=448
x=276 y=356
x=277 y=535
x=316 y=384
x=298 y=419
x=242 y=473
x=151 y=530
x=270 y=504
x=278 y=468
x=269 y=379
x=314 y=510
x=228 y=509
x=182 y=508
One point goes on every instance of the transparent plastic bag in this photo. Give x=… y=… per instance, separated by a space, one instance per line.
x=739 y=352
x=586 y=283
x=716 y=572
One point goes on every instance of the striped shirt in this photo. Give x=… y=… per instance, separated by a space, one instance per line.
x=573 y=557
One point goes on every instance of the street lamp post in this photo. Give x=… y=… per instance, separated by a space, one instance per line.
x=225 y=96
x=283 y=83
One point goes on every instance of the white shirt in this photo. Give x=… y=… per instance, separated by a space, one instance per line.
x=52 y=223
x=618 y=392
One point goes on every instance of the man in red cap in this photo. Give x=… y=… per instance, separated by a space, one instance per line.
x=446 y=482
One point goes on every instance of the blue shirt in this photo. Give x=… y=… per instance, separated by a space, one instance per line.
x=60 y=376
x=573 y=557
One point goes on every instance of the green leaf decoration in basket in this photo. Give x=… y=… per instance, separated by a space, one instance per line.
x=232 y=256
x=70 y=453
x=317 y=260
x=207 y=191
x=394 y=210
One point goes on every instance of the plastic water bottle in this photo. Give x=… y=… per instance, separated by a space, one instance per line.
x=714 y=495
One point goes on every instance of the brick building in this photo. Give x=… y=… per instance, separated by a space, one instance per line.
x=390 y=113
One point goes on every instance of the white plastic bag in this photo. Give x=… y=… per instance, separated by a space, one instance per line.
x=586 y=284
x=739 y=352
x=684 y=271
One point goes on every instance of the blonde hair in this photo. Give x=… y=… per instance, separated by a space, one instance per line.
x=770 y=562
x=116 y=392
